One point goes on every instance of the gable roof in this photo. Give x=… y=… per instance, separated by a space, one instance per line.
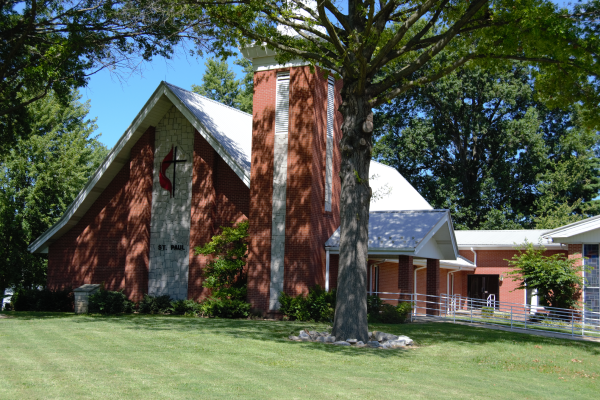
x=391 y=191
x=228 y=130
x=576 y=228
x=425 y=233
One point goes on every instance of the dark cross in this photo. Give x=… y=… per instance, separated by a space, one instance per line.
x=174 y=162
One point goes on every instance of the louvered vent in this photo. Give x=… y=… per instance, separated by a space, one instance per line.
x=330 y=103
x=282 y=107
x=329 y=145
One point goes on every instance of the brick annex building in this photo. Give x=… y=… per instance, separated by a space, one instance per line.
x=188 y=165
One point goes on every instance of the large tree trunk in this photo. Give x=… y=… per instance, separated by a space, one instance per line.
x=350 y=320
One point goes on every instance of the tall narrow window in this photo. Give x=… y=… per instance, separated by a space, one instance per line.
x=591 y=288
x=282 y=106
x=329 y=145
x=280 y=152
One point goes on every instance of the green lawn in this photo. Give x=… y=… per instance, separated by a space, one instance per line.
x=56 y=355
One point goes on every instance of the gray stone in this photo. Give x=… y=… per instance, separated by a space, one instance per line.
x=394 y=344
x=342 y=343
x=382 y=336
x=373 y=343
x=321 y=339
x=329 y=339
x=292 y=337
x=407 y=340
x=352 y=341
x=303 y=334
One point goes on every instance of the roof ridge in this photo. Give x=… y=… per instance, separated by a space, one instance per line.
x=211 y=100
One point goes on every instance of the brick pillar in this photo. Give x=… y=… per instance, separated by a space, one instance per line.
x=433 y=285
x=406 y=276
x=139 y=190
x=576 y=252
x=202 y=213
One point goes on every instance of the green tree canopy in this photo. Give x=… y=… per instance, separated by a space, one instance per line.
x=39 y=178
x=480 y=144
x=219 y=84
x=52 y=46
x=382 y=49
x=556 y=278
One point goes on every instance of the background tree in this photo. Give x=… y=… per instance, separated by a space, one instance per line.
x=219 y=84
x=556 y=278
x=52 y=46
x=382 y=49
x=246 y=95
x=39 y=178
x=479 y=143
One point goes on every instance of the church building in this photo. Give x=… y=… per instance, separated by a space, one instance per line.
x=188 y=165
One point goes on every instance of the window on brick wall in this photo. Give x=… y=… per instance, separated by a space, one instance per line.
x=329 y=144
x=591 y=291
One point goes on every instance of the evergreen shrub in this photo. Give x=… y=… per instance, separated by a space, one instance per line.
x=318 y=305
x=108 y=302
x=155 y=305
x=185 y=307
x=224 y=308
x=43 y=300
x=383 y=313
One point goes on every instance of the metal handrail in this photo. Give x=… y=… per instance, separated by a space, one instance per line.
x=489 y=311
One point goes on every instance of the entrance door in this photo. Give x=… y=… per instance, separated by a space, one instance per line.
x=481 y=286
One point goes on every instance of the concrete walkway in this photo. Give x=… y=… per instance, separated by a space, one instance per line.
x=423 y=319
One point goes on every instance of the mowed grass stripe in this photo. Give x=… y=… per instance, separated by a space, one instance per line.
x=174 y=357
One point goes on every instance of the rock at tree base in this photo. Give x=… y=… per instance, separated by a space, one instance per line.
x=380 y=340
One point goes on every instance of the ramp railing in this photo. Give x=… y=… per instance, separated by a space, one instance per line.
x=572 y=322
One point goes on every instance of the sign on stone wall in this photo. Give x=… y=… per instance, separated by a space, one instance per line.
x=171 y=206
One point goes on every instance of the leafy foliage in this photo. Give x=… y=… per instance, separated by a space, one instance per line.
x=42 y=300
x=479 y=143
x=384 y=313
x=219 y=84
x=184 y=307
x=52 y=46
x=39 y=178
x=224 y=308
x=318 y=305
x=109 y=302
x=556 y=278
x=225 y=274
x=155 y=305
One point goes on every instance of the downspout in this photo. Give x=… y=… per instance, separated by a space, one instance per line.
x=326 y=270
x=415 y=278
x=475 y=256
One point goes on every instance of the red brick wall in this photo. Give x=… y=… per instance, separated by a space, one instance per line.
x=493 y=262
x=219 y=198
x=308 y=226
x=95 y=250
x=138 y=223
x=111 y=242
x=261 y=189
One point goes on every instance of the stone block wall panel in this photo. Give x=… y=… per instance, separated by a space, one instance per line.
x=171 y=214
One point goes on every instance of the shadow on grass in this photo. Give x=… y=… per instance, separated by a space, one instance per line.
x=424 y=334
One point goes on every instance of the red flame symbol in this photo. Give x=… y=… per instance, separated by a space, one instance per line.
x=165 y=182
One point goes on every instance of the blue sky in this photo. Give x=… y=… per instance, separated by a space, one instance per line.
x=116 y=101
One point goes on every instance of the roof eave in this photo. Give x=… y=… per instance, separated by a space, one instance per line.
x=119 y=156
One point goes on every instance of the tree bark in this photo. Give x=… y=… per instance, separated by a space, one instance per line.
x=350 y=321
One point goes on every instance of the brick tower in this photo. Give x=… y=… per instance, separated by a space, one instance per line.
x=294 y=192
